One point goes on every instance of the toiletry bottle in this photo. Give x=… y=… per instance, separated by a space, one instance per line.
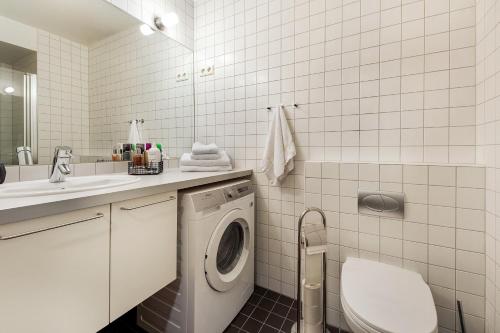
x=146 y=158
x=138 y=158
x=154 y=154
x=117 y=155
x=127 y=152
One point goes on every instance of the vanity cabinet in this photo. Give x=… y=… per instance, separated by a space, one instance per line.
x=54 y=274
x=143 y=249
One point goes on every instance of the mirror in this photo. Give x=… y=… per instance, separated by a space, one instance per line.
x=17 y=96
x=78 y=73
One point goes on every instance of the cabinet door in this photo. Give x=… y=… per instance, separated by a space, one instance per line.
x=143 y=249
x=54 y=273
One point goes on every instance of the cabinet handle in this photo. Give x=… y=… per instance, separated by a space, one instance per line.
x=98 y=216
x=149 y=204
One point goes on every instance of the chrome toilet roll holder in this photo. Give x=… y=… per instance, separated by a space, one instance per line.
x=296 y=328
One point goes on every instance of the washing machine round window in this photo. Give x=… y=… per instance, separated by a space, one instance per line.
x=227 y=251
x=230 y=247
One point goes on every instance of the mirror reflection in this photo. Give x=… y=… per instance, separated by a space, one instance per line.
x=91 y=77
x=17 y=94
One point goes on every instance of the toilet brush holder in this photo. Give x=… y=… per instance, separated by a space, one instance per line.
x=311 y=289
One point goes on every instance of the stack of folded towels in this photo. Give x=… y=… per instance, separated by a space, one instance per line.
x=205 y=158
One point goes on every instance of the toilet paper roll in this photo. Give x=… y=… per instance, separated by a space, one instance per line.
x=313 y=268
x=310 y=328
x=312 y=303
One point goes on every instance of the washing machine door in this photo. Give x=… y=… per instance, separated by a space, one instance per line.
x=228 y=250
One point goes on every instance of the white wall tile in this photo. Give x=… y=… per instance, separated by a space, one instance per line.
x=33 y=172
x=435 y=241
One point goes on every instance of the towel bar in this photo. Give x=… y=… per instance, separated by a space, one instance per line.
x=282 y=105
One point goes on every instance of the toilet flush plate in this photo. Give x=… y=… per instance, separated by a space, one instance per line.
x=385 y=204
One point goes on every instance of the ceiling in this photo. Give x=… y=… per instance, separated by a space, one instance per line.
x=82 y=21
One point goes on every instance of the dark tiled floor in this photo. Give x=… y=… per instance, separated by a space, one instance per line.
x=124 y=324
x=266 y=312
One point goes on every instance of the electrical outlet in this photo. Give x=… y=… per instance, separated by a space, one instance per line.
x=181 y=77
x=206 y=71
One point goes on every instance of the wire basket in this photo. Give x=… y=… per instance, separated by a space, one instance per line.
x=152 y=168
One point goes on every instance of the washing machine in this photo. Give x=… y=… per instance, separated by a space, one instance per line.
x=215 y=266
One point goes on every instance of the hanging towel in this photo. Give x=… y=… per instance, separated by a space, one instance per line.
x=133 y=133
x=140 y=131
x=224 y=160
x=206 y=156
x=192 y=168
x=279 y=151
x=200 y=148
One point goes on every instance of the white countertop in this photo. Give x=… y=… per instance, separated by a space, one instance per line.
x=18 y=209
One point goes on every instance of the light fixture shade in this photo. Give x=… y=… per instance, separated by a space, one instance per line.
x=170 y=19
x=146 y=30
x=167 y=20
x=9 y=90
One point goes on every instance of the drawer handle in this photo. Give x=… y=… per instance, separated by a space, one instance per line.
x=98 y=216
x=149 y=204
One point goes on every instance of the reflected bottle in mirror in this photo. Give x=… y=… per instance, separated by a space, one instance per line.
x=3 y=173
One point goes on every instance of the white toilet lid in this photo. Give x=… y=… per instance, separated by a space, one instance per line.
x=387 y=298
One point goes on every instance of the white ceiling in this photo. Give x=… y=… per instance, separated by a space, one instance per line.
x=82 y=21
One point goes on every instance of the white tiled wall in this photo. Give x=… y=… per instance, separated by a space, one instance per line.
x=441 y=236
x=6 y=117
x=133 y=76
x=377 y=80
x=63 y=110
x=145 y=10
x=488 y=129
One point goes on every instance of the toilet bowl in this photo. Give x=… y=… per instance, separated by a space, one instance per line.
x=381 y=298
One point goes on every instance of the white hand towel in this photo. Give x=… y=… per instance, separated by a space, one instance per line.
x=224 y=160
x=140 y=132
x=279 y=151
x=133 y=134
x=192 y=168
x=205 y=156
x=200 y=148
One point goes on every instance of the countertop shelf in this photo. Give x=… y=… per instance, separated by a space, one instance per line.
x=19 y=209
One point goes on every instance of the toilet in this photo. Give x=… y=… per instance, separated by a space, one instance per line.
x=381 y=298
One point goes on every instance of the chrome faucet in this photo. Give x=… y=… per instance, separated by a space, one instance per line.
x=60 y=164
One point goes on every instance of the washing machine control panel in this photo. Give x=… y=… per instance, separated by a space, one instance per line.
x=208 y=199
x=237 y=191
x=217 y=197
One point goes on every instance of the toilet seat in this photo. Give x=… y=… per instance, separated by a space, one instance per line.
x=381 y=298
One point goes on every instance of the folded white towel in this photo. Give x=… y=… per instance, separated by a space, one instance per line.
x=222 y=161
x=200 y=148
x=205 y=156
x=192 y=168
x=279 y=151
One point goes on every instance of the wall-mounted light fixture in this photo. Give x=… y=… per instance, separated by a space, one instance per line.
x=9 y=90
x=146 y=30
x=166 y=21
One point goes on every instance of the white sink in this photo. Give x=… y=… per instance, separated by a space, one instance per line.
x=72 y=184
